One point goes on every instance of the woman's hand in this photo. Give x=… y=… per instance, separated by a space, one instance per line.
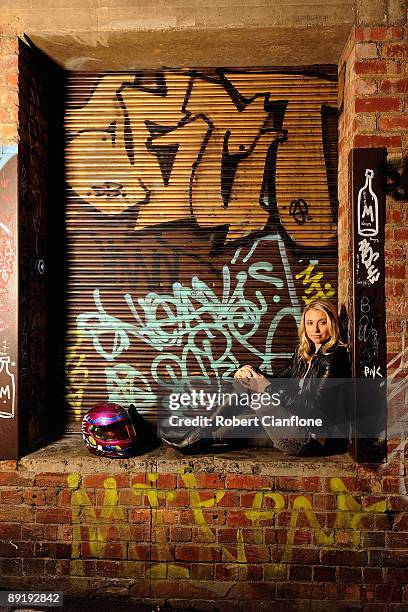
x=251 y=379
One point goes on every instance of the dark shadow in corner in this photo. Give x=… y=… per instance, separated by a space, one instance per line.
x=42 y=249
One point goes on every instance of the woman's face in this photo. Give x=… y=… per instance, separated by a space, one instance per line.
x=316 y=326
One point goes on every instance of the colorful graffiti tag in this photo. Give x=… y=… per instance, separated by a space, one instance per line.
x=201 y=218
x=96 y=529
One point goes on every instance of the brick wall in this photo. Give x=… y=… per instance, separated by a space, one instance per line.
x=8 y=89
x=329 y=535
x=375 y=115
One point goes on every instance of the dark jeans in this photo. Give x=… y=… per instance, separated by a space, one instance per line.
x=295 y=441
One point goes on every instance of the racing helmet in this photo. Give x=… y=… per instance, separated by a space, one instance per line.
x=108 y=431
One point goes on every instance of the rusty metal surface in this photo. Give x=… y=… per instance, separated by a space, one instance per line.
x=201 y=218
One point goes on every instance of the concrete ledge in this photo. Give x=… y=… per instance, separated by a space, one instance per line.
x=71 y=455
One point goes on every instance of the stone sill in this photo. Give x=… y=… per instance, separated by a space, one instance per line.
x=69 y=454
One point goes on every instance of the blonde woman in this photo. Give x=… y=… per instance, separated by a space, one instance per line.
x=318 y=368
x=316 y=371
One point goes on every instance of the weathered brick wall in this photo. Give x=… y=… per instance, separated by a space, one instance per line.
x=375 y=115
x=8 y=89
x=332 y=534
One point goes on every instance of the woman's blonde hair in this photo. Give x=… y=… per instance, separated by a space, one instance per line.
x=306 y=347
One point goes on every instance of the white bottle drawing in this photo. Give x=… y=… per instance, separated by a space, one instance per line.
x=7 y=390
x=367 y=207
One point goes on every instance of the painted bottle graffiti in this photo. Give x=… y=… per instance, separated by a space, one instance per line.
x=7 y=389
x=367 y=207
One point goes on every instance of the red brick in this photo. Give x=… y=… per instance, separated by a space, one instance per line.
x=11 y=567
x=373 y=575
x=366 y=87
x=299 y=485
x=388 y=592
x=324 y=574
x=300 y=590
x=300 y=536
x=56 y=550
x=202 y=571
x=15 y=478
x=377 y=141
x=386 y=86
x=169 y=517
x=226 y=571
x=204 y=481
x=300 y=572
x=15 y=549
x=33 y=567
x=378 y=34
x=324 y=502
x=139 y=552
x=51 y=479
x=57 y=567
x=349 y=592
x=394 y=122
x=8 y=464
x=371 y=67
x=137 y=533
x=180 y=534
x=143 y=515
x=397 y=540
x=191 y=552
x=396 y=271
x=34 y=497
x=350 y=574
x=230 y=499
x=166 y=481
x=10 y=531
x=96 y=481
x=237 y=519
x=112 y=550
x=53 y=515
x=374 y=105
x=270 y=536
x=254 y=554
x=343 y=557
x=401 y=233
x=198 y=535
x=253 y=573
x=396 y=86
x=179 y=499
x=399 y=49
x=32 y=532
x=18 y=513
x=247 y=481
x=11 y=496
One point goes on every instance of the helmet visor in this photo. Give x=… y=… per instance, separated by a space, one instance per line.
x=114 y=431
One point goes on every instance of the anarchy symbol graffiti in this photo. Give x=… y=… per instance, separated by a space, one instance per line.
x=299 y=211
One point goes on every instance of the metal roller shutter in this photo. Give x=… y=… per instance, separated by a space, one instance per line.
x=201 y=217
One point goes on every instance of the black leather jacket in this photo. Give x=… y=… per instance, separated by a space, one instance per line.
x=322 y=393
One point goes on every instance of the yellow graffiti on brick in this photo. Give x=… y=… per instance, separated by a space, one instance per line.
x=162 y=569
x=350 y=514
x=314 y=290
x=198 y=504
x=96 y=526
x=85 y=516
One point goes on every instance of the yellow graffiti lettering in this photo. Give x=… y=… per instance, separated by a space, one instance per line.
x=314 y=284
x=76 y=372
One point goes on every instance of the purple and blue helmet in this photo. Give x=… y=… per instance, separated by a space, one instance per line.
x=108 y=431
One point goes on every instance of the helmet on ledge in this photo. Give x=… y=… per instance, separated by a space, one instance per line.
x=108 y=431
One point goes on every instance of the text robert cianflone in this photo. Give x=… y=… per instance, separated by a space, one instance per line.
x=267 y=420
x=205 y=400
